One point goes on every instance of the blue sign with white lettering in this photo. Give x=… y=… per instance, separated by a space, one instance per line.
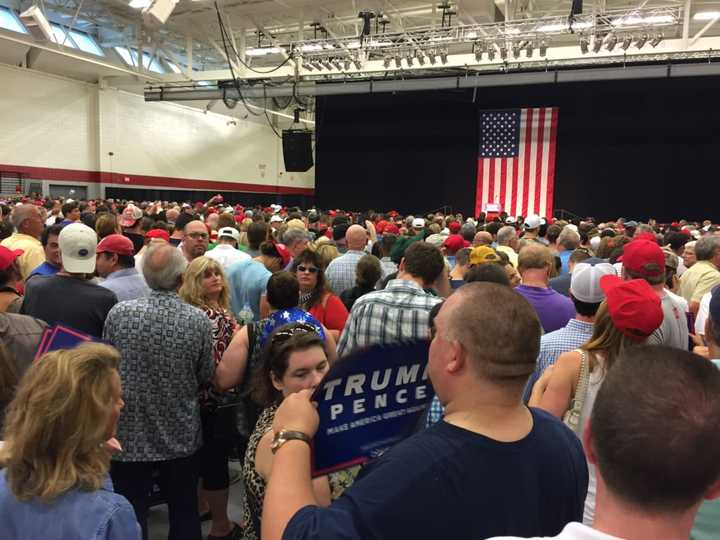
x=369 y=401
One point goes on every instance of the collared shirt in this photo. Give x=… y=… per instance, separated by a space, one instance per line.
x=699 y=279
x=127 y=284
x=400 y=311
x=166 y=348
x=225 y=255
x=33 y=256
x=93 y=515
x=553 y=344
x=340 y=272
x=45 y=269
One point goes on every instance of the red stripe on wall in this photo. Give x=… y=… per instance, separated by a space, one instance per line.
x=478 y=189
x=526 y=169
x=130 y=180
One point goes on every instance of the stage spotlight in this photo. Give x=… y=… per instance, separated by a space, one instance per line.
x=584 y=45
x=626 y=42
x=357 y=63
x=597 y=43
x=386 y=62
x=543 y=48
x=346 y=64
x=306 y=66
x=478 y=52
x=503 y=51
x=516 y=50
x=611 y=42
x=642 y=40
x=656 y=40
x=444 y=56
x=398 y=61
x=529 y=49
x=337 y=64
x=420 y=57
x=432 y=56
x=317 y=65
x=409 y=59
x=491 y=52
x=326 y=63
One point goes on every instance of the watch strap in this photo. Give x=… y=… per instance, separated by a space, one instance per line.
x=283 y=436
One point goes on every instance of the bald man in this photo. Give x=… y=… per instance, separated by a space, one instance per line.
x=340 y=272
x=483 y=238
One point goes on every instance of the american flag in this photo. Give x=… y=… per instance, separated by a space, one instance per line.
x=516 y=163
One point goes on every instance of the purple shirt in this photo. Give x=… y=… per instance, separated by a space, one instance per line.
x=553 y=309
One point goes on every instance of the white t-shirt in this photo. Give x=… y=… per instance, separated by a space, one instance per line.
x=679 y=300
x=703 y=314
x=572 y=531
x=226 y=255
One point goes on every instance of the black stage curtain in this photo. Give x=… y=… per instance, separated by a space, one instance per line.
x=233 y=197
x=637 y=149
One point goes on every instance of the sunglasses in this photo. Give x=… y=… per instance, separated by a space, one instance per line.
x=198 y=235
x=297 y=329
x=311 y=269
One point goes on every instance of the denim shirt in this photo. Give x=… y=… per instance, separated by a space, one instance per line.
x=74 y=515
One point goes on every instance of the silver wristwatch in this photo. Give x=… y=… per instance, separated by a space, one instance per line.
x=283 y=436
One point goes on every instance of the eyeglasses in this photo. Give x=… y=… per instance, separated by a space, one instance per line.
x=198 y=236
x=310 y=269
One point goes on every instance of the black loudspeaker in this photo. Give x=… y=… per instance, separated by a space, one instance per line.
x=297 y=150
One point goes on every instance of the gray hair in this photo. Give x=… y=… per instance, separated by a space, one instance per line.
x=706 y=247
x=467 y=231
x=569 y=238
x=505 y=235
x=21 y=213
x=163 y=266
x=294 y=235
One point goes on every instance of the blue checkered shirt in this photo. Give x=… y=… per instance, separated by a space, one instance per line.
x=553 y=344
x=340 y=273
x=435 y=412
x=400 y=311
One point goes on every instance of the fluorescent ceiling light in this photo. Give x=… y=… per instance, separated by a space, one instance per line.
x=652 y=19
x=706 y=15
x=262 y=51
x=311 y=47
x=174 y=68
x=139 y=4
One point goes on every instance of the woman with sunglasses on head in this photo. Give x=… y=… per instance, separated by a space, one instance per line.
x=293 y=359
x=204 y=286
x=243 y=354
x=315 y=296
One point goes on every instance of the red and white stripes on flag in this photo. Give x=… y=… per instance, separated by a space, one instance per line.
x=516 y=164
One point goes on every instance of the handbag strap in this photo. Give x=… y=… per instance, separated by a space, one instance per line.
x=572 y=417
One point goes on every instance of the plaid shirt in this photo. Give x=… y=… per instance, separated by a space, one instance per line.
x=435 y=412
x=166 y=349
x=340 y=272
x=400 y=311
x=552 y=345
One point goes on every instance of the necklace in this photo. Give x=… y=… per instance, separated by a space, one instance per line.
x=304 y=297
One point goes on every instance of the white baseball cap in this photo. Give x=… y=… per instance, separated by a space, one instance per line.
x=276 y=219
x=532 y=222
x=418 y=223
x=585 y=281
x=229 y=231
x=78 y=244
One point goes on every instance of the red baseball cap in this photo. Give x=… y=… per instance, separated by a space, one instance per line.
x=158 y=233
x=454 y=227
x=8 y=256
x=391 y=228
x=116 y=243
x=454 y=243
x=634 y=307
x=380 y=227
x=640 y=253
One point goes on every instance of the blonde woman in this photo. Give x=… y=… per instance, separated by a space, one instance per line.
x=55 y=481
x=204 y=286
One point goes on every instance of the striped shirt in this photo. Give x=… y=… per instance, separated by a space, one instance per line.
x=400 y=311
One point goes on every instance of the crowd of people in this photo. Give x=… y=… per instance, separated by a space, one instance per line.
x=574 y=365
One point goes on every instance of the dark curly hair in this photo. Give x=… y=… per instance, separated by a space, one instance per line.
x=308 y=256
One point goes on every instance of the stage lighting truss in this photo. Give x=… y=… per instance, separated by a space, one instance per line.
x=435 y=46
